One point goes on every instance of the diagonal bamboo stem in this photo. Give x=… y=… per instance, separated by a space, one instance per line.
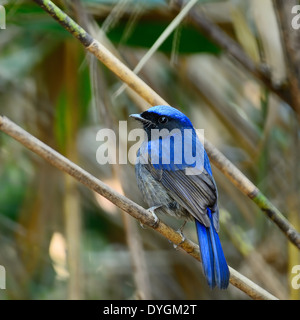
x=140 y=87
x=144 y=216
x=225 y=42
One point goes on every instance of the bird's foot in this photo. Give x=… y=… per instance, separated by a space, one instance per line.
x=183 y=238
x=155 y=218
x=152 y=211
x=180 y=230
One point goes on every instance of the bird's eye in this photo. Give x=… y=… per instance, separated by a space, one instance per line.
x=162 y=119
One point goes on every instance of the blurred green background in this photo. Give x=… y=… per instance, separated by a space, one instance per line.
x=59 y=240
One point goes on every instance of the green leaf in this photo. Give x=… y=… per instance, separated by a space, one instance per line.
x=146 y=33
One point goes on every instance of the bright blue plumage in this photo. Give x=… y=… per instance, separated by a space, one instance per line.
x=214 y=263
x=163 y=178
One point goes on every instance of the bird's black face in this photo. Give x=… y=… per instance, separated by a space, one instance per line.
x=151 y=120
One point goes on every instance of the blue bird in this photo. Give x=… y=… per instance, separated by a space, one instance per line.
x=175 y=177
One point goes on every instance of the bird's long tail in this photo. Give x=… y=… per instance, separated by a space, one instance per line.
x=213 y=260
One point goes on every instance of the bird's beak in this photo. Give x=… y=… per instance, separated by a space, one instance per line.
x=138 y=117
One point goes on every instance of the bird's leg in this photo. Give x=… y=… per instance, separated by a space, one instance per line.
x=152 y=211
x=180 y=231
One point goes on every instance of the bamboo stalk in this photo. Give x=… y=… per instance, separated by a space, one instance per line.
x=221 y=39
x=290 y=42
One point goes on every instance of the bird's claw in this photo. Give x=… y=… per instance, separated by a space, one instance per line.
x=183 y=238
x=152 y=211
x=142 y=226
x=155 y=218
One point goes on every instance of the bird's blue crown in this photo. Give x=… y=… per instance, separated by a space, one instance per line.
x=172 y=113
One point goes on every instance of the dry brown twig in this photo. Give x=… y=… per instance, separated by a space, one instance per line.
x=232 y=48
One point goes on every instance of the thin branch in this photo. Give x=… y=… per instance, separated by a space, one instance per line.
x=250 y=190
x=138 y=257
x=140 y=87
x=102 y=53
x=241 y=128
x=221 y=39
x=160 y=40
x=290 y=40
x=136 y=211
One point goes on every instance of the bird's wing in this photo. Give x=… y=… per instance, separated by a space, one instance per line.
x=175 y=150
x=190 y=184
x=195 y=193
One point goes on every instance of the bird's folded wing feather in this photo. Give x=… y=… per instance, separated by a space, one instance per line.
x=195 y=193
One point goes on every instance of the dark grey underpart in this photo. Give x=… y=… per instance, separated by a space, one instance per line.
x=181 y=196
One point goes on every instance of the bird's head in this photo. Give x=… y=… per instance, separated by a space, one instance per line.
x=163 y=117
